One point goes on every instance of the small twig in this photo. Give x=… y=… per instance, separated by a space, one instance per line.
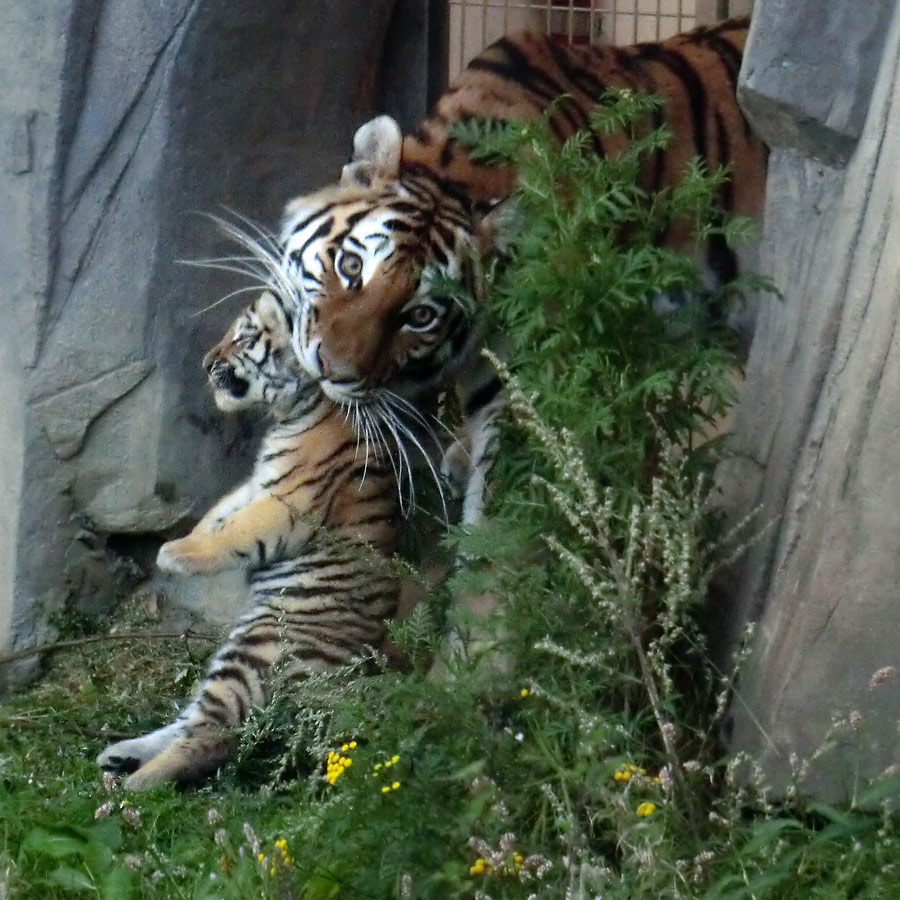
x=120 y=636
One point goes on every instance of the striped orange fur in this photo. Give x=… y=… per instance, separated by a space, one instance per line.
x=314 y=525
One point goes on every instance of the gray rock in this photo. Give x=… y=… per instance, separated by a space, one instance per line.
x=808 y=73
x=816 y=451
x=120 y=123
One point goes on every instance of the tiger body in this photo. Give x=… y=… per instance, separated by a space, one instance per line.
x=313 y=524
x=361 y=257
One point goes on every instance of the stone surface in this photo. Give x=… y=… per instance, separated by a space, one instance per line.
x=815 y=449
x=121 y=122
x=808 y=73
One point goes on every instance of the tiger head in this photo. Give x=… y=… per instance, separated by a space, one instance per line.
x=366 y=260
x=254 y=363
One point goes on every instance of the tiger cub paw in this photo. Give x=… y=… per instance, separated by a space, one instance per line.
x=185 y=557
x=124 y=757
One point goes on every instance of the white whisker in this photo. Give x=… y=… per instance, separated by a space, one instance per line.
x=403 y=405
x=402 y=458
x=244 y=290
x=382 y=442
x=397 y=425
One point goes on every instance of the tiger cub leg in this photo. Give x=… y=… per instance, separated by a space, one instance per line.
x=201 y=738
x=267 y=526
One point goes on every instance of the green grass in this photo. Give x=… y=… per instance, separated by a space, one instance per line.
x=468 y=773
x=63 y=833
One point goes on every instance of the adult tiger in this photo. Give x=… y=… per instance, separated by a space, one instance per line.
x=361 y=257
x=311 y=524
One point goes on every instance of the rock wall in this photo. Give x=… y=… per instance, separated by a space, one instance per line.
x=815 y=447
x=121 y=123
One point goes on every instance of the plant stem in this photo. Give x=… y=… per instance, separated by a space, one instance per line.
x=95 y=638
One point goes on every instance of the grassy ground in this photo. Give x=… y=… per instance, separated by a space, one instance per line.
x=63 y=832
x=67 y=832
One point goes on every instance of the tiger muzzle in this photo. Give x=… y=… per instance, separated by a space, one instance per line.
x=223 y=377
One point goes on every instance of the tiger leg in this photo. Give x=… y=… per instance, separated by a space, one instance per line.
x=471 y=631
x=313 y=614
x=266 y=527
x=200 y=739
x=483 y=401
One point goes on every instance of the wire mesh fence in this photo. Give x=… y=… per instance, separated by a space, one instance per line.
x=476 y=23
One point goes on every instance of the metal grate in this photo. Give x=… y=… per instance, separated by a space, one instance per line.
x=476 y=23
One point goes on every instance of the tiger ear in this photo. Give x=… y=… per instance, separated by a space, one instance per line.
x=376 y=153
x=270 y=311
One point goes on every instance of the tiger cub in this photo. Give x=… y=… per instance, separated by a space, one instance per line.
x=313 y=524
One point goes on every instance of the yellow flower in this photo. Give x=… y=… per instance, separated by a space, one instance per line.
x=478 y=867
x=385 y=789
x=282 y=846
x=336 y=765
x=626 y=771
x=395 y=785
x=646 y=808
x=523 y=692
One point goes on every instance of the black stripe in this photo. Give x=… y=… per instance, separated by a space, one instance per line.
x=246 y=659
x=584 y=80
x=731 y=59
x=315 y=479
x=508 y=73
x=399 y=225
x=219 y=712
x=680 y=67
x=260 y=552
x=481 y=397
x=301 y=225
x=549 y=88
x=320 y=232
x=727 y=53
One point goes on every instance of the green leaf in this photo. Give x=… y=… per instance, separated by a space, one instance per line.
x=321 y=887
x=879 y=790
x=71 y=879
x=118 y=884
x=769 y=831
x=55 y=843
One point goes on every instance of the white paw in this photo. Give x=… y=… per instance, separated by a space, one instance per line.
x=455 y=468
x=175 y=557
x=126 y=756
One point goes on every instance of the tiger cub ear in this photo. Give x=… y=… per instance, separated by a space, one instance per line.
x=376 y=153
x=271 y=313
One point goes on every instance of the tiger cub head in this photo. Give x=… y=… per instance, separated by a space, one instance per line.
x=367 y=262
x=254 y=363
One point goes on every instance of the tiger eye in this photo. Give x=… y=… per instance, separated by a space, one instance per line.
x=350 y=265
x=421 y=316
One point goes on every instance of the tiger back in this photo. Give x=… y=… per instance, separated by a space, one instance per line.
x=314 y=525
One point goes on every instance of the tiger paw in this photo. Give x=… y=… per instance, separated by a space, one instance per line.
x=184 y=557
x=455 y=468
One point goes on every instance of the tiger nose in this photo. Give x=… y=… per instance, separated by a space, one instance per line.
x=322 y=362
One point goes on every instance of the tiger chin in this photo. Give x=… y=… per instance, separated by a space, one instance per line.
x=314 y=525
